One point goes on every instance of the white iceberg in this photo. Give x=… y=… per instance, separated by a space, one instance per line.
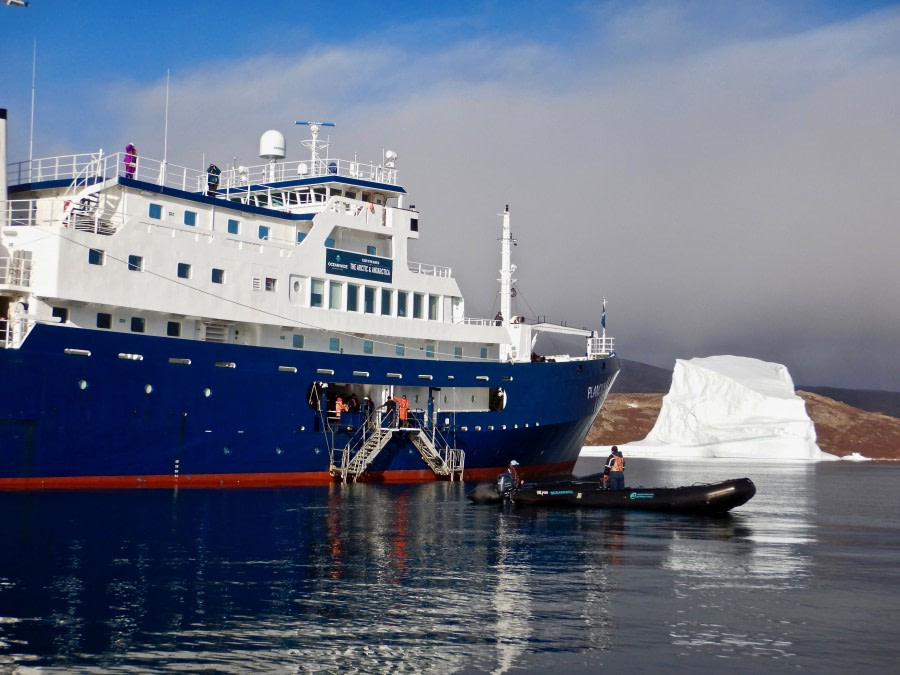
x=729 y=407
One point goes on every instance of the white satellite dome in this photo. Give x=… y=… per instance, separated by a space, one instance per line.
x=272 y=145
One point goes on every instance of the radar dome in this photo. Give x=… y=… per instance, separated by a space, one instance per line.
x=271 y=145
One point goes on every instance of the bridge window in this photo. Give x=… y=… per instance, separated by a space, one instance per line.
x=417 y=305
x=433 y=307
x=335 y=295
x=402 y=302
x=135 y=263
x=316 y=293
x=190 y=218
x=369 y=300
x=352 y=298
x=96 y=256
x=104 y=320
x=386 y=301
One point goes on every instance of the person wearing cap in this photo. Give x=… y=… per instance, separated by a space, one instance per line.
x=514 y=472
x=614 y=472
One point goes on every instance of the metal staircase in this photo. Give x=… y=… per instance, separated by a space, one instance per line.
x=357 y=464
x=446 y=461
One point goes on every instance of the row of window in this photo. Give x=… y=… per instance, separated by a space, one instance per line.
x=423 y=304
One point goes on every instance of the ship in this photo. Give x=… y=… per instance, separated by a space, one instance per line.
x=165 y=326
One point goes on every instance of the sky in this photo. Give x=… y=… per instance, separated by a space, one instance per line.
x=724 y=173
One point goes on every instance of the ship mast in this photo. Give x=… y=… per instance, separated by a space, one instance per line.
x=506 y=272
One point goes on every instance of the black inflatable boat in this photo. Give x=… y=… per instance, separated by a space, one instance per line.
x=589 y=492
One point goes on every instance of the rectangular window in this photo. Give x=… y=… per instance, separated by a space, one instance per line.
x=316 y=293
x=402 y=302
x=400 y=349
x=335 y=301
x=184 y=271
x=329 y=243
x=234 y=227
x=301 y=236
x=386 y=301
x=370 y=250
x=270 y=284
x=429 y=351
x=433 y=307
x=417 y=305
x=368 y=347
x=457 y=352
x=104 y=320
x=190 y=218
x=369 y=300
x=96 y=256
x=218 y=276
x=352 y=298
x=334 y=344
x=61 y=313
x=135 y=263
x=263 y=232
x=137 y=324
x=155 y=211
x=298 y=342
x=484 y=352
x=173 y=329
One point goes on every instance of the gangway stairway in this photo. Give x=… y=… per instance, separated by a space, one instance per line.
x=445 y=461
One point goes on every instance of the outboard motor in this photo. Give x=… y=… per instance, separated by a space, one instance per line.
x=505 y=485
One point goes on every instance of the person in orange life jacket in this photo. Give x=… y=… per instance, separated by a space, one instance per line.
x=614 y=472
x=339 y=407
x=402 y=408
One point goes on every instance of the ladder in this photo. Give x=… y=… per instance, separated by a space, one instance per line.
x=357 y=465
x=446 y=461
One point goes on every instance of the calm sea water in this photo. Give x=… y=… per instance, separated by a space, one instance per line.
x=413 y=578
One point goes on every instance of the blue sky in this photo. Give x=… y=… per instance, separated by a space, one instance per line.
x=723 y=172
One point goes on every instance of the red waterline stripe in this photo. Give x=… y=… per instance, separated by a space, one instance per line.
x=238 y=480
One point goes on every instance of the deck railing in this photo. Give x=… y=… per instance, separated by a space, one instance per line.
x=99 y=166
x=15 y=273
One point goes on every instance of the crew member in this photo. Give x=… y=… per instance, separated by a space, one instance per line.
x=614 y=472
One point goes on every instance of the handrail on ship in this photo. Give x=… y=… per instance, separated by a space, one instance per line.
x=68 y=167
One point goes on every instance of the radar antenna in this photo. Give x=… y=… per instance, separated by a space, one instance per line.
x=315 y=144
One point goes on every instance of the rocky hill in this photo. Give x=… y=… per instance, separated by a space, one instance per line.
x=841 y=429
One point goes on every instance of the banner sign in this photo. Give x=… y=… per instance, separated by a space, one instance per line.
x=358 y=265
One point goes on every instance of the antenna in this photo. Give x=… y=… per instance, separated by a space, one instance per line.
x=33 y=75
x=315 y=144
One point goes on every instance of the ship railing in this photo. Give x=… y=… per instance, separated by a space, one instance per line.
x=469 y=321
x=15 y=329
x=104 y=166
x=15 y=273
x=84 y=215
x=600 y=347
x=430 y=270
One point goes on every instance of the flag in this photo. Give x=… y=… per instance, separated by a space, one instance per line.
x=603 y=314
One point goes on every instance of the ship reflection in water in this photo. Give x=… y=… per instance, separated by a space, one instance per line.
x=379 y=578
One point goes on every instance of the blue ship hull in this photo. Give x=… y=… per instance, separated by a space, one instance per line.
x=89 y=408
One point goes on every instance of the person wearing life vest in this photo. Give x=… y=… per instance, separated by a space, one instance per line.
x=513 y=470
x=614 y=472
x=402 y=409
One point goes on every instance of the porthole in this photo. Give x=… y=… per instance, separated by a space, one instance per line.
x=297 y=287
x=226 y=450
x=207 y=392
x=278 y=450
x=82 y=384
x=148 y=388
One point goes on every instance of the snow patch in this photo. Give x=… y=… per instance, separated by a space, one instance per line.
x=729 y=407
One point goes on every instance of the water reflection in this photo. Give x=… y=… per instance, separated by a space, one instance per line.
x=382 y=578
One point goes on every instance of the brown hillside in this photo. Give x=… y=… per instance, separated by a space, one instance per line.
x=840 y=429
